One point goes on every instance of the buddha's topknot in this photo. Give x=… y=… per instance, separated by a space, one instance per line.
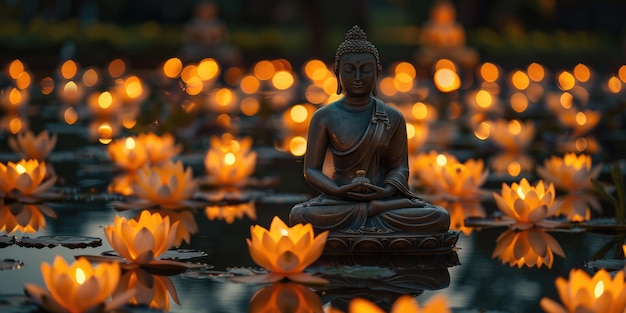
x=356 y=42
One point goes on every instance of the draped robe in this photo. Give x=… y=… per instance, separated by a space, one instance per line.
x=382 y=153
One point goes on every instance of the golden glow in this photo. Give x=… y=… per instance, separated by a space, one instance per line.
x=69 y=69
x=70 y=116
x=249 y=106
x=297 y=146
x=614 y=84
x=90 y=77
x=581 y=144
x=130 y=143
x=224 y=97
x=15 y=125
x=520 y=80
x=105 y=100
x=117 y=68
x=419 y=110
x=483 y=99
x=189 y=72
x=330 y=85
x=223 y=120
x=447 y=80
x=441 y=160
x=129 y=123
x=47 y=85
x=16 y=67
x=621 y=73
x=403 y=82
x=489 y=72
x=445 y=63
x=519 y=102
x=194 y=86
x=581 y=118
x=535 y=72
x=520 y=193
x=282 y=80
x=513 y=169
x=105 y=133
x=582 y=72
x=249 y=84
x=172 y=67
x=23 y=80
x=566 y=100
x=15 y=97
x=406 y=68
x=387 y=87
x=298 y=113
x=482 y=131
x=70 y=89
x=566 y=80
x=515 y=127
x=315 y=69
x=410 y=131
x=264 y=70
x=208 y=69
x=229 y=158
x=133 y=87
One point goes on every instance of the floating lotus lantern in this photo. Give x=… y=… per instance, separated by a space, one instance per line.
x=25 y=181
x=446 y=177
x=405 y=303
x=33 y=147
x=187 y=224
x=25 y=218
x=151 y=290
x=601 y=292
x=572 y=173
x=427 y=168
x=285 y=252
x=229 y=161
x=285 y=297
x=159 y=148
x=230 y=212
x=577 y=206
x=513 y=135
x=123 y=184
x=127 y=153
x=530 y=247
x=168 y=186
x=525 y=206
x=141 y=240
x=78 y=287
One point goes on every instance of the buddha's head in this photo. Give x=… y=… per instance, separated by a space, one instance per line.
x=357 y=64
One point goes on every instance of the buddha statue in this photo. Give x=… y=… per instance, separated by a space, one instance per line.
x=368 y=192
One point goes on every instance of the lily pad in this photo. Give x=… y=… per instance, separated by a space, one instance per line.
x=171 y=254
x=68 y=241
x=10 y=264
x=608 y=264
x=6 y=241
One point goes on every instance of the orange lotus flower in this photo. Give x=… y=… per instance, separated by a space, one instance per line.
x=513 y=135
x=571 y=172
x=404 y=304
x=24 y=180
x=230 y=161
x=427 y=168
x=25 y=218
x=126 y=153
x=78 y=287
x=141 y=241
x=285 y=297
x=168 y=185
x=31 y=146
x=230 y=212
x=530 y=247
x=151 y=290
x=582 y=293
x=577 y=207
x=159 y=148
x=123 y=184
x=285 y=252
x=524 y=205
x=187 y=224
x=446 y=177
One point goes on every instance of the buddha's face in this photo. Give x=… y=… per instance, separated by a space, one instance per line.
x=358 y=73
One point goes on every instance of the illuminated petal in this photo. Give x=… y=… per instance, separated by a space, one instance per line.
x=287 y=261
x=406 y=304
x=358 y=305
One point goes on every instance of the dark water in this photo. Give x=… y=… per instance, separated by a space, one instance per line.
x=478 y=283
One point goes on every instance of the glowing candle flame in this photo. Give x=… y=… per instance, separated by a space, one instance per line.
x=284 y=232
x=20 y=169
x=130 y=143
x=441 y=160
x=521 y=193
x=229 y=158
x=80 y=276
x=599 y=290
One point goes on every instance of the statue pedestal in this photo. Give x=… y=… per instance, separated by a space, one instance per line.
x=394 y=242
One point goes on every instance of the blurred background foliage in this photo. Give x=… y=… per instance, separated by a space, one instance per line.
x=149 y=31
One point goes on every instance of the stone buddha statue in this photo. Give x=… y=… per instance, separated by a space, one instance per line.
x=368 y=192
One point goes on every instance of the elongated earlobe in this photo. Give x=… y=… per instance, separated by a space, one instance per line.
x=339 y=89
